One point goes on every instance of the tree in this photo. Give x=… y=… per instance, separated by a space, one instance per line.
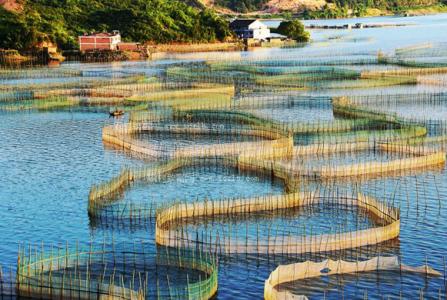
x=214 y=24
x=18 y=31
x=294 y=29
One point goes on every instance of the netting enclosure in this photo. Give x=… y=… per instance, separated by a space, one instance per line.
x=309 y=269
x=113 y=272
x=176 y=215
x=102 y=197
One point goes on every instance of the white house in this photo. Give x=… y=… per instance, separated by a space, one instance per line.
x=250 y=29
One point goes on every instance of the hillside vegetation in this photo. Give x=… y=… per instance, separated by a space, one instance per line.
x=294 y=29
x=322 y=8
x=343 y=8
x=25 y=23
x=61 y=21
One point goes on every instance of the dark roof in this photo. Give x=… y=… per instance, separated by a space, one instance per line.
x=100 y=34
x=241 y=23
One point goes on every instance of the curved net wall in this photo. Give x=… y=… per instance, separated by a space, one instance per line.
x=115 y=272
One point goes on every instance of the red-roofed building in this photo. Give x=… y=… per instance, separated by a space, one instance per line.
x=100 y=41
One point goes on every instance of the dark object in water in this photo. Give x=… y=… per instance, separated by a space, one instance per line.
x=116 y=113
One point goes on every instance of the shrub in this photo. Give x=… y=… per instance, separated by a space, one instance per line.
x=294 y=29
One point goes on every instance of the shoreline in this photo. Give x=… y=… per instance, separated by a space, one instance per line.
x=152 y=52
x=191 y=47
x=14 y=57
x=161 y=51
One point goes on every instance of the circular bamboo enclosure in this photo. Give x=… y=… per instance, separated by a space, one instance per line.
x=248 y=117
x=403 y=158
x=104 y=206
x=421 y=109
x=270 y=142
x=115 y=272
x=170 y=223
x=104 y=203
x=309 y=269
x=304 y=74
x=405 y=109
x=129 y=91
x=274 y=137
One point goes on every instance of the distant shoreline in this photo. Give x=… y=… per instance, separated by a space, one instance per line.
x=370 y=12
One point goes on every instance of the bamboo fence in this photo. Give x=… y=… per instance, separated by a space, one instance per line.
x=169 y=230
x=309 y=269
x=113 y=272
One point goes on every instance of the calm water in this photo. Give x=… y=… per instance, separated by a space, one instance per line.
x=49 y=161
x=264 y=226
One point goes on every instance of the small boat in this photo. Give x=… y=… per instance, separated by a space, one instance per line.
x=116 y=113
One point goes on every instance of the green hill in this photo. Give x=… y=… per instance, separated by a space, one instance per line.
x=25 y=23
x=61 y=21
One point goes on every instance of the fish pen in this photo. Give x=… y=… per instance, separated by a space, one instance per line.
x=385 y=159
x=279 y=146
x=105 y=200
x=308 y=73
x=172 y=225
x=114 y=272
x=136 y=94
x=371 y=127
x=265 y=143
x=286 y=276
x=427 y=110
x=68 y=82
x=416 y=158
